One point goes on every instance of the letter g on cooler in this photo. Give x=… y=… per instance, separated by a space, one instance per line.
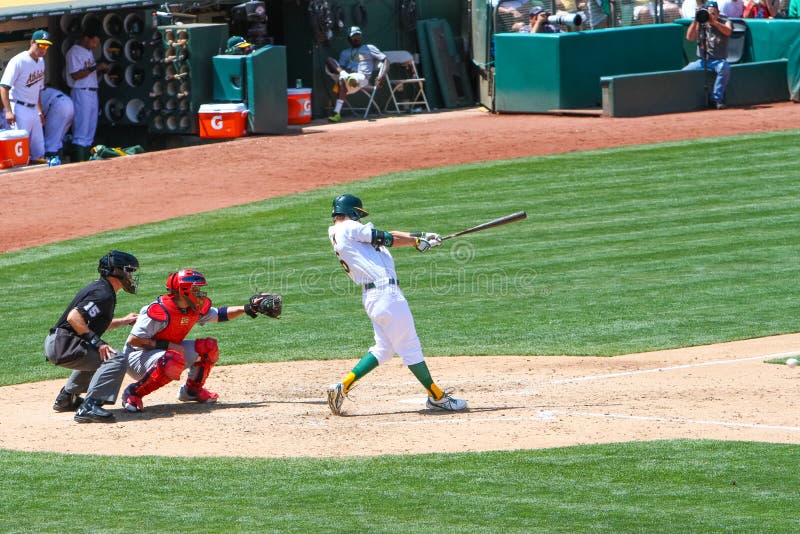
x=18 y=149
x=217 y=122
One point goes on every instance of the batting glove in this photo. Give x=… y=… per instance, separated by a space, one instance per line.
x=434 y=239
x=422 y=244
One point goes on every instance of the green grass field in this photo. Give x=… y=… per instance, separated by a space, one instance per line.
x=624 y=250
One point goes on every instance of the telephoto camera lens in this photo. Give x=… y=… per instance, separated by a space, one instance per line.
x=701 y=15
x=567 y=20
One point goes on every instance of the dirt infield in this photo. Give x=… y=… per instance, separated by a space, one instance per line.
x=718 y=392
x=722 y=392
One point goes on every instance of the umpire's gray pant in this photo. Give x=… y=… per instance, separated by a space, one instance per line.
x=84 y=360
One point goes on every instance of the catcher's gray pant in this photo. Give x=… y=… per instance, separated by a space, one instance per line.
x=84 y=125
x=84 y=365
x=107 y=381
x=139 y=361
x=27 y=118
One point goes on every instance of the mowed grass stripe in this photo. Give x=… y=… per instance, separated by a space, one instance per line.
x=691 y=486
x=624 y=250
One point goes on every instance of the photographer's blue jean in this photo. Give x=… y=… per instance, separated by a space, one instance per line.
x=723 y=70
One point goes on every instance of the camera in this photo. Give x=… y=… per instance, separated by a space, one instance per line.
x=701 y=15
x=567 y=20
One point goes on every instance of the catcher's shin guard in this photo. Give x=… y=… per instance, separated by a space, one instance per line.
x=168 y=368
x=208 y=354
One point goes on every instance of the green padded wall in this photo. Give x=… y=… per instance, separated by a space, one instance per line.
x=230 y=77
x=543 y=72
x=266 y=90
x=772 y=38
x=678 y=91
x=259 y=79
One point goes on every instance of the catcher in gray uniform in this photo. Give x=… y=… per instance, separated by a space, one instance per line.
x=157 y=351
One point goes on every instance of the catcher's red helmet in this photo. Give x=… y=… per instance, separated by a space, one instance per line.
x=187 y=283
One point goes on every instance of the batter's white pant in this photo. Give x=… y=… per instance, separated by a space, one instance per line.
x=393 y=324
x=28 y=119
x=84 y=125
x=58 y=119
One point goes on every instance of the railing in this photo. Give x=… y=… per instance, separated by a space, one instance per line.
x=509 y=15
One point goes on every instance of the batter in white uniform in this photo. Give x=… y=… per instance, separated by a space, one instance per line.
x=363 y=252
x=20 y=85
x=58 y=113
x=82 y=79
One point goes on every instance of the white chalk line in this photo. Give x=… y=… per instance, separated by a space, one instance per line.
x=672 y=368
x=550 y=415
x=754 y=426
x=547 y=415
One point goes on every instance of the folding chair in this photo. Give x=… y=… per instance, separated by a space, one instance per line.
x=401 y=74
x=737 y=41
x=369 y=91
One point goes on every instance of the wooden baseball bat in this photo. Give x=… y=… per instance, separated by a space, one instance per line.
x=491 y=224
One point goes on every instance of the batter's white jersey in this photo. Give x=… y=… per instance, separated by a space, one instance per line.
x=364 y=264
x=384 y=303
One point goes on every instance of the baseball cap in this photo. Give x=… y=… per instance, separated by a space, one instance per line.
x=535 y=10
x=354 y=30
x=712 y=3
x=238 y=42
x=41 y=37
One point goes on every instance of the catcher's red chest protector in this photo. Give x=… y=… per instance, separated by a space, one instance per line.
x=179 y=322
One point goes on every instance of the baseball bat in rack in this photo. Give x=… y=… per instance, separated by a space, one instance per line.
x=491 y=224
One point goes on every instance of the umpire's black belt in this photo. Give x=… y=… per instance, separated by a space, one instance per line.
x=86 y=88
x=389 y=282
x=62 y=331
x=27 y=104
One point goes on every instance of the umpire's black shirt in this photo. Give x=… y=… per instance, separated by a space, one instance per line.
x=96 y=302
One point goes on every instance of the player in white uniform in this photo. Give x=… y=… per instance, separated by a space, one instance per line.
x=20 y=85
x=58 y=113
x=82 y=79
x=363 y=251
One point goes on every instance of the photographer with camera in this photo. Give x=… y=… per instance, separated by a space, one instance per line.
x=712 y=32
x=538 y=23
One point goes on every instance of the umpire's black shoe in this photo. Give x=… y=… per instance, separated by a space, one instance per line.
x=92 y=411
x=67 y=402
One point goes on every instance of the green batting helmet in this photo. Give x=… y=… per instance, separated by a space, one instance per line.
x=350 y=206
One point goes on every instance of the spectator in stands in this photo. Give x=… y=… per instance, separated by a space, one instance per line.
x=644 y=12
x=513 y=8
x=759 y=9
x=732 y=8
x=537 y=22
x=688 y=9
x=712 y=49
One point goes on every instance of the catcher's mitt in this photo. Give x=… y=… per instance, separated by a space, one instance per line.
x=269 y=304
